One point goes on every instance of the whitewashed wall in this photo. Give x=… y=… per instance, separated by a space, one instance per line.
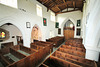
x=19 y=19
x=73 y=16
x=13 y=31
x=91 y=29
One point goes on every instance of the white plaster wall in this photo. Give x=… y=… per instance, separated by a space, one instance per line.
x=73 y=16
x=91 y=30
x=13 y=31
x=19 y=19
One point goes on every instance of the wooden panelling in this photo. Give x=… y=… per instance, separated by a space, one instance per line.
x=68 y=34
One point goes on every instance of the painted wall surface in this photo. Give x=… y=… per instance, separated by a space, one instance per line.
x=13 y=31
x=91 y=28
x=18 y=17
x=73 y=16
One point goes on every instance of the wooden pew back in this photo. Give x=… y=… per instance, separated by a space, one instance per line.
x=17 y=54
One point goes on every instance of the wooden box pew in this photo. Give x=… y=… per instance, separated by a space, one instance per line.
x=17 y=54
x=30 y=61
x=4 y=51
x=24 y=50
x=73 y=52
x=5 y=61
x=7 y=45
x=74 y=59
x=49 y=45
x=74 y=48
x=36 y=47
x=57 y=62
x=47 y=48
x=11 y=57
x=74 y=44
x=56 y=40
x=40 y=44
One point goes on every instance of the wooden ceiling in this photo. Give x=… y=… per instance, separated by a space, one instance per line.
x=62 y=6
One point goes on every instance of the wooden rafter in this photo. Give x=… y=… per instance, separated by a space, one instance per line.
x=67 y=11
x=58 y=6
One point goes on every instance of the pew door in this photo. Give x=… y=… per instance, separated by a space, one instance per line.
x=68 y=34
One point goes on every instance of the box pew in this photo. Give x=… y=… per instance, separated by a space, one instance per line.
x=23 y=49
x=4 y=60
x=74 y=48
x=73 y=52
x=28 y=61
x=57 y=62
x=32 y=60
x=74 y=59
x=57 y=41
x=36 y=47
x=74 y=45
x=74 y=42
x=17 y=54
x=7 y=45
x=49 y=44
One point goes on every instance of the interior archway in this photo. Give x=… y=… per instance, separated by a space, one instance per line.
x=36 y=34
x=68 y=29
x=14 y=34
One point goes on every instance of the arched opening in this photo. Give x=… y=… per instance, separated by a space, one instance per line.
x=36 y=34
x=68 y=29
x=11 y=34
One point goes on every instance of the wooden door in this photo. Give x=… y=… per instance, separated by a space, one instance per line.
x=68 y=34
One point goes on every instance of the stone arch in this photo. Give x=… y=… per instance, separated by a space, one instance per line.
x=62 y=25
x=12 y=21
x=36 y=33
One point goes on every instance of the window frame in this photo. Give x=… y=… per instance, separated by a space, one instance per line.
x=39 y=10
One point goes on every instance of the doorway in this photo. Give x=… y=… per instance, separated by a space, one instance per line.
x=69 y=30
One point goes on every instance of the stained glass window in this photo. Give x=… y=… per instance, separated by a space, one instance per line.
x=2 y=34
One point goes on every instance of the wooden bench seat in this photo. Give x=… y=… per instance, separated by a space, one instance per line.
x=63 y=63
x=74 y=42
x=74 y=59
x=74 y=48
x=73 y=52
